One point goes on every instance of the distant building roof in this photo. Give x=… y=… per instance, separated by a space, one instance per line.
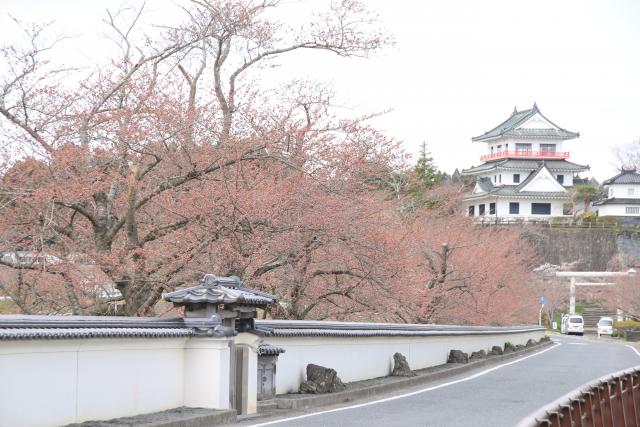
x=625 y=176
x=617 y=201
x=510 y=127
x=515 y=164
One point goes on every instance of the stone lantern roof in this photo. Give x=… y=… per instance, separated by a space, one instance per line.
x=221 y=298
x=220 y=290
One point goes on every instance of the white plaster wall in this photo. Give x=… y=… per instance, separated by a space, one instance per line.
x=370 y=357
x=206 y=373
x=502 y=207
x=621 y=191
x=511 y=144
x=57 y=382
x=507 y=177
x=614 y=210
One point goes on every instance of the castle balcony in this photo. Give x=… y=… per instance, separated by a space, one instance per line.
x=525 y=154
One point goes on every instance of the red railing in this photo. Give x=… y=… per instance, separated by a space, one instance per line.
x=526 y=154
x=612 y=401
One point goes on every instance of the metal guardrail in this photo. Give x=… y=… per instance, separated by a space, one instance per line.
x=610 y=401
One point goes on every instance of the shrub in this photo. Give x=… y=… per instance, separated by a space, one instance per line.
x=588 y=217
x=627 y=325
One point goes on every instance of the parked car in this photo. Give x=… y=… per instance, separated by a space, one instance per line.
x=605 y=326
x=572 y=324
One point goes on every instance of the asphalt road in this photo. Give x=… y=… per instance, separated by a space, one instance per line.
x=497 y=396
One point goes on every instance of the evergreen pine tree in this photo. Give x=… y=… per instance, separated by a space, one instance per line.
x=426 y=171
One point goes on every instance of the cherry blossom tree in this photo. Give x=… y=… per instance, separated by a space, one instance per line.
x=131 y=168
x=175 y=159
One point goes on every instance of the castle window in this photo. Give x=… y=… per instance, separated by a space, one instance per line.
x=632 y=210
x=492 y=208
x=561 y=179
x=541 y=208
x=514 y=208
x=523 y=147
x=481 y=210
x=516 y=178
x=472 y=210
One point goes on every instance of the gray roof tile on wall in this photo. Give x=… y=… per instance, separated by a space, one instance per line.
x=265 y=349
x=69 y=333
x=296 y=328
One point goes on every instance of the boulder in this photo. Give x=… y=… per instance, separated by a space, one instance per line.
x=495 y=350
x=519 y=347
x=458 y=356
x=530 y=343
x=321 y=380
x=477 y=355
x=401 y=367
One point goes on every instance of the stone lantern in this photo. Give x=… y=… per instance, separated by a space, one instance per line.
x=222 y=306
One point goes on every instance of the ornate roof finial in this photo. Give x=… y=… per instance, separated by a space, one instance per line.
x=535 y=106
x=515 y=110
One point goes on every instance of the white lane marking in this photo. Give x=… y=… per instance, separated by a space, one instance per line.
x=413 y=393
x=633 y=348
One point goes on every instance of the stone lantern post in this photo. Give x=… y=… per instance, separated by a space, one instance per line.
x=222 y=306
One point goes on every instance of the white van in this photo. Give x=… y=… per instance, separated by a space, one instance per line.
x=605 y=326
x=572 y=324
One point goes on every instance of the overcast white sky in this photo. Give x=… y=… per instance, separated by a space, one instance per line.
x=458 y=68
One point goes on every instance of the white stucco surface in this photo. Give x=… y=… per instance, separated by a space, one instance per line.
x=360 y=358
x=616 y=210
x=57 y=382
x=625 y=191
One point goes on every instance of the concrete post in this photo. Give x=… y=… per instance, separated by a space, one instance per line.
x=206 y=373
x=247 y=372
x=572 y=296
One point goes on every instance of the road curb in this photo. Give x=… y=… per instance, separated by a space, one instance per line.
x=178 y=417
x=300 y=401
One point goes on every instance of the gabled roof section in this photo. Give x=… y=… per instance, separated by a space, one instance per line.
x=483 y=185
x=541 y=180
x=530 y=165
x=513 y=126
x=626 y=176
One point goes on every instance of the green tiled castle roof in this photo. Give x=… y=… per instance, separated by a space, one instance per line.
x=510 y=128
x=517 y=164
